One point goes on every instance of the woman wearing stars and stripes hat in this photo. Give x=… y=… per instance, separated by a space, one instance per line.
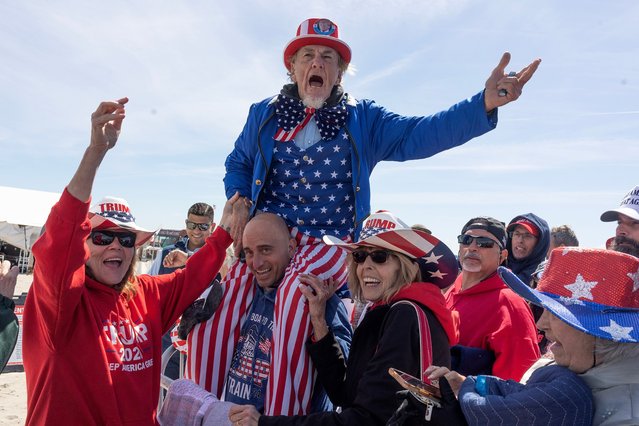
x=590 y=376
x=92 y=328
x=591 y=317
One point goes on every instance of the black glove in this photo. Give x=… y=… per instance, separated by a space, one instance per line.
x=200 y=310
x=450 y=413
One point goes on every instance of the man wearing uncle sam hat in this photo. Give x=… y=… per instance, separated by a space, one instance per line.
x=591 y=315
x=307 y=153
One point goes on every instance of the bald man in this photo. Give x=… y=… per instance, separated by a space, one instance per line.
x=268 y=249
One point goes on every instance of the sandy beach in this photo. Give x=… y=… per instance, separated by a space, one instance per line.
x=13 y=388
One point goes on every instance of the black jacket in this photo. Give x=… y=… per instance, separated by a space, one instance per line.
x=387 y=337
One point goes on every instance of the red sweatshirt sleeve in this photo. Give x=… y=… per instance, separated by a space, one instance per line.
x=58 y=276
x=515 y=339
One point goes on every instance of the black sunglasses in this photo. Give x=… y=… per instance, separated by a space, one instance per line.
x=192 y=225
x=104 y=238
x=377 y=256
x=482 y=242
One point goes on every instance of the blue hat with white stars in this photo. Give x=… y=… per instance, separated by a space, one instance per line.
x=595 y=291
x=113 y=212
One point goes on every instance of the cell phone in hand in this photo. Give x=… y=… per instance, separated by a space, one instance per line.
x=424 y=392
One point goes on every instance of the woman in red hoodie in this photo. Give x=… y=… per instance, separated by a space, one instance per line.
x=407 y=325
x=92 y=328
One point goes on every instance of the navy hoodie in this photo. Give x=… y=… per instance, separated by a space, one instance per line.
x=524 y=268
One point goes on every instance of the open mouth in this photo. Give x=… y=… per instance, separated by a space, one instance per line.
x=316 y=81
x=371 y=282
x=115 y=262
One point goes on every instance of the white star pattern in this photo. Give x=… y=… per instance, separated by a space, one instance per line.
x=581 y=288
x=312 y=183
x=344 y=135
x=618 y=332
x=437 y=274
x=634 y=276
x=432 y=258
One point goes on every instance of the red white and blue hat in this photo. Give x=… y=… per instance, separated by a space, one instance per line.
x=385 y=230
x=595 y=291
x=113 y=212
x=317 y=31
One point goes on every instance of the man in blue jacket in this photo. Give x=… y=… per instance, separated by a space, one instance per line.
x=307 y=155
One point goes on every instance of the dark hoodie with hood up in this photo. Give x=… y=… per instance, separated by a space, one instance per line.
x=525 y=267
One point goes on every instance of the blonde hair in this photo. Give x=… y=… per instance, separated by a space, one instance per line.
x=407 y=274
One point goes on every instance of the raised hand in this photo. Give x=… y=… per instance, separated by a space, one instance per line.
x=106 y=123
x=502 y=87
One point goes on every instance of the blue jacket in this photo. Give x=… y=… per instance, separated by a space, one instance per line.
x=375 y=133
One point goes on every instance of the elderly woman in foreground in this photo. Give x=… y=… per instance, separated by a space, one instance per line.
x=591 y=317
x=406 y=325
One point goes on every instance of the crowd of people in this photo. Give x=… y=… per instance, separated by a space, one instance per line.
x=520 y=326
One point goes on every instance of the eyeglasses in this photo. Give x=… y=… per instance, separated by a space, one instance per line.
x=482 y=242
x=377 y=256
x=201 y=226
x=104 y=238
x=522 y=235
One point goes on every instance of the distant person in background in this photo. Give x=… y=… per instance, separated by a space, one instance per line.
x=497 y=333
x=528 y=240
x=199 y=225
x=626 y=238
x=8 y=321
x=562 y=236
x=92 y=327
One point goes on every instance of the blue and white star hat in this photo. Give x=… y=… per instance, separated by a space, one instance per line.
x=113 y=212
x=383 y=229
x=595 y=291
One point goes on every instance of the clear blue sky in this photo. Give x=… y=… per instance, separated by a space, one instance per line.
x=567 y=150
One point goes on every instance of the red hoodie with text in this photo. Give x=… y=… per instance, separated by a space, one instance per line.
x=92 y=356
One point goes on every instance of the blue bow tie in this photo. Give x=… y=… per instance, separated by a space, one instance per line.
x=292 y=116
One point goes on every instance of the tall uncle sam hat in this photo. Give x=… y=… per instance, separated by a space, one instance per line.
x=317 y=31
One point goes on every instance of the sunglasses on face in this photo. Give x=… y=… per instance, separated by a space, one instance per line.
x=482 y=242
x=201 y=226
x=104 y=238
x=377 y=256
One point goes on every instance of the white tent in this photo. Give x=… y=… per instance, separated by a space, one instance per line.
x=23 y=213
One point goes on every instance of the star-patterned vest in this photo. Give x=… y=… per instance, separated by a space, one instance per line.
x=312 y=189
